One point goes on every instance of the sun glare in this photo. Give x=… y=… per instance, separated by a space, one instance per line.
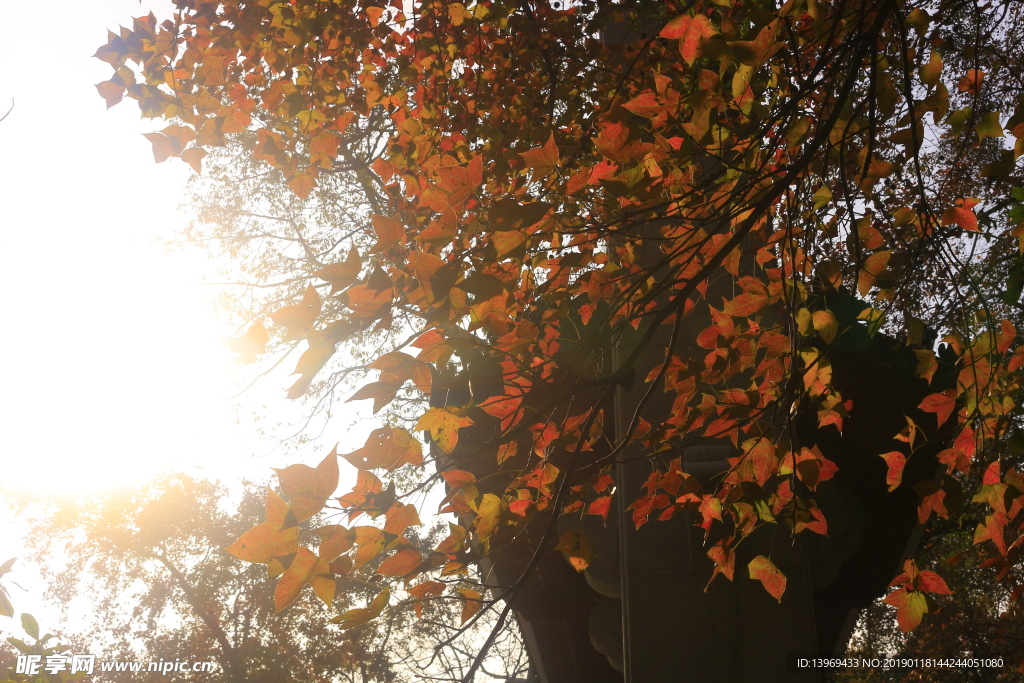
x=113 y=368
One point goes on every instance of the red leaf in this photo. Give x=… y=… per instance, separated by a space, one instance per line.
x=896 y=461
x=930 y=582
x=691 y=32
x=941 y=404
x=992 y=474
x=601 y=506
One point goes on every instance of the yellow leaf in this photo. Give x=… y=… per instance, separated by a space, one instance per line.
x=361 y=615
x=305 y=568
x=826 y=325
x=370 y=541
x=488 y=513
x=277 y=537
x=458 y=13
x=473 y=603
x=931 y=71
x=443 y=425
x=765 y=571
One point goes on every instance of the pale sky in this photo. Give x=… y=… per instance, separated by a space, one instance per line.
x=112 y=368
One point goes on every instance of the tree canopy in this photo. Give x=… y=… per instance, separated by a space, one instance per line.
x=705 y=203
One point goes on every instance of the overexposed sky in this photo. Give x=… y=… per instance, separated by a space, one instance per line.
x=112 y=367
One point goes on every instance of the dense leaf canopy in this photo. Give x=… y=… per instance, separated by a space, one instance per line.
x=700 y=204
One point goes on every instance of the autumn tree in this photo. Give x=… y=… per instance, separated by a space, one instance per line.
x=608 y=232
x=159 y=587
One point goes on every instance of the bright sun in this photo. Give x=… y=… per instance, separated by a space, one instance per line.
x=112 y=364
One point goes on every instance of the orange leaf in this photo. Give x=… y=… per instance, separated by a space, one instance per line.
x=250 y=345
x=971 y=82
x=194 y=156
x=962 y=215
x=370 y=542
x=691 y=32
x=542 y=159
x=335 y=539
x=401 y=517
x=361 y=615
x=930 y=582
x=300 y=316
x=382 y=394
x=765 y=571
x=276 y=537
x=576 y=550
x=896 y=461
x=387 y=448
x=645 y=104
x=163 y=146
x=389 y=232
x=305 y=568
x=601 y=506
x=401 y=563
x=910 y=605
x=307 y=488
x=342 y=273
x=992 y=476
x=302 y=183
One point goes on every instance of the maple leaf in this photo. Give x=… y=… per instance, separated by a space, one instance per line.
x=443 y=425
x=305 y=568
x=343 y=273
x=276 y=537
x=389 y=232
x=401 y=563
x=401 y=517
x=542 y=159
x=911 y=606
x=825 y=324
x=382 y=394
x=362 y=615
x=576 y=549
x=251 y=344
x=896 y=462
x=942 y=404
x=308 y=488
x=472 y=603
x=601 y=506
x=370 y=542
x=424 y=590
x=691 y=32
x=299 y=317
x=765 y=571
x=335 y=540
x=962 y=215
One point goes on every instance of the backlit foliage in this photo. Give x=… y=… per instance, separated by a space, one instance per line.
x=724 y=192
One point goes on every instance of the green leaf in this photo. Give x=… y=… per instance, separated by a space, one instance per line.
x=6 y=608
x=20 y=644
x=28 y=622
x=989 y=126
